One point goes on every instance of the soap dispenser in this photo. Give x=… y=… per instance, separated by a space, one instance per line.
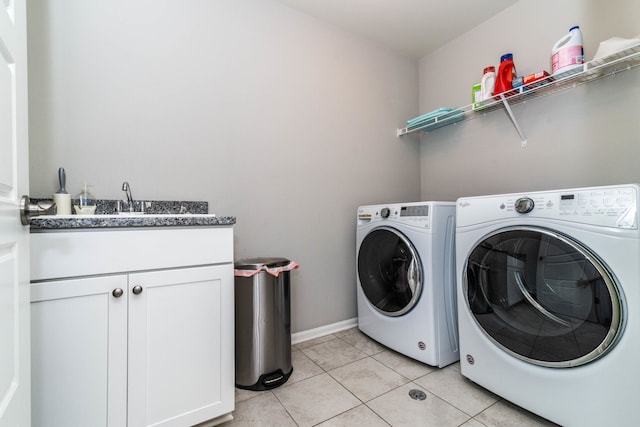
x=85 y=203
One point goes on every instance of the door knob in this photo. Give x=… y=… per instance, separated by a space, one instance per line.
x=28 y=210
x=137 y=290
x=117 y=292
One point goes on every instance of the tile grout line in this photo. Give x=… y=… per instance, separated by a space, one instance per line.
x=367 y=348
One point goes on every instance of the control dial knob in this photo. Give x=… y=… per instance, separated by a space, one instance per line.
x=385 y=212
x=524 y=205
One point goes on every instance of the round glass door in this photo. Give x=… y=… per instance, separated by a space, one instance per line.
x=390 y=271
x=543 y=297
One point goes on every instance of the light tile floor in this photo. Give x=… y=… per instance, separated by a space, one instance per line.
x=347 y=379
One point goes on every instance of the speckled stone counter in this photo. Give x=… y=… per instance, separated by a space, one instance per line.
x=72 y=222
x=158 y=214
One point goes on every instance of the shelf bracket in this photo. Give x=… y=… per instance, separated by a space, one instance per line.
x=513 y=119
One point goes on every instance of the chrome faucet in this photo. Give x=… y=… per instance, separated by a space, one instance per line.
x=127 y=189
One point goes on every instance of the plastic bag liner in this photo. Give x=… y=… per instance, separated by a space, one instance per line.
x=274 y=271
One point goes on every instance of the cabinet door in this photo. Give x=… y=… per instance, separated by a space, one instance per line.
x=78 y=352
x=181 y=366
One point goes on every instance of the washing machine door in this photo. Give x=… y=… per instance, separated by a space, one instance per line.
x=390 y=271
x=543 y=297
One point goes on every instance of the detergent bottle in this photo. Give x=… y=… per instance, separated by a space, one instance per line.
x=568 y=52
x=506 y=73
x=488 y=82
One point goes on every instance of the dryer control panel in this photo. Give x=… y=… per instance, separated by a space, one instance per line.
x=611 y=206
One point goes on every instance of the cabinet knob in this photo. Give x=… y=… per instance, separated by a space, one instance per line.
x=117 y=292
x=137 y=290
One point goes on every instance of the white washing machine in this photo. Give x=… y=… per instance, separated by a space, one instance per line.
x=549 y=301
x=406 y=279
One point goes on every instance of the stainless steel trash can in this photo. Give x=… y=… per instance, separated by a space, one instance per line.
x=263 y=323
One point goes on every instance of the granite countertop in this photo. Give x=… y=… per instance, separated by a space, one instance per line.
x=158 y=214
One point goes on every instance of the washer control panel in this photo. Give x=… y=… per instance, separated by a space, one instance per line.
x=410 y=214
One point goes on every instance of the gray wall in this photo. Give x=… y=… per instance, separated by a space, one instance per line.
x=268 y=114
x=585 y=136
x=289 y=124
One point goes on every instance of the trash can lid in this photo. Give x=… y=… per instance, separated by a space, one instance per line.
x=257 y=263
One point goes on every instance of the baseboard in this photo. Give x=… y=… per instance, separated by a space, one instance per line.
x=310 y=334
x=214 y=422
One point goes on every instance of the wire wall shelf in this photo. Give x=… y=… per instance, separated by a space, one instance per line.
x=589 y=71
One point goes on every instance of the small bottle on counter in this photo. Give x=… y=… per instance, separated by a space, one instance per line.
x=85 y=203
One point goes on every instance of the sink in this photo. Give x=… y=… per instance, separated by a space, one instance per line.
x=133 y=215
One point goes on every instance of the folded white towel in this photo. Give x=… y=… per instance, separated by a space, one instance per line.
x=615 y=45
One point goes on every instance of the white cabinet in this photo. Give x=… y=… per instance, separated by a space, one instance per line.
x=79 y=352
x=147 y=346
x=177 y=346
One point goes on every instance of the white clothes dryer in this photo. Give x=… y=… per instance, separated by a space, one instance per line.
x=549 y=301
x=406 y=279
